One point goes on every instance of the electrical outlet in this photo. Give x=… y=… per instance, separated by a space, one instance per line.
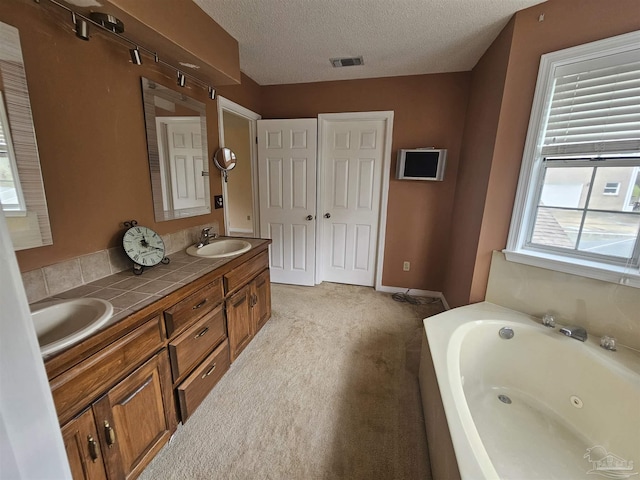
x=217 y=201
x=248 y=217
x=406 y=266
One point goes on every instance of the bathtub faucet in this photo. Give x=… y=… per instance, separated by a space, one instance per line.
x=574 y=331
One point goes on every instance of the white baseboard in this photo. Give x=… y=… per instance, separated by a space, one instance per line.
x=416 y=292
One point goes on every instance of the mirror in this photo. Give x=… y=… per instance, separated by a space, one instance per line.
x=225 y=160
x=21 y=187
x=176 y=128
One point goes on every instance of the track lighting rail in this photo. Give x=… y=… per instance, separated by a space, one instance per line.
x=135 y=51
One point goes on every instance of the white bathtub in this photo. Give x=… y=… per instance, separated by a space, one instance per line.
x=574 y=411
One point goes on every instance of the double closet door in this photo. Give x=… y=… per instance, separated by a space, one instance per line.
x=320 y=198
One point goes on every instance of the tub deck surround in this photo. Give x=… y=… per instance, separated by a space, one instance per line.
x=138 y=298
x=566 y=396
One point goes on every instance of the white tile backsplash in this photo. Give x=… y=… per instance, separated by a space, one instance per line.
x=95 y=266
x=603 y=308
x=63 y=276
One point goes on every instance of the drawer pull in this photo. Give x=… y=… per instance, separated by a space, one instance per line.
x=210 y=371
x=200 y=304
x=204 y=330
x=93 y=448
x=110 y=433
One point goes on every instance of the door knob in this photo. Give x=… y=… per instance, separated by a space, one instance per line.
x=309 y=217
x=327 y=215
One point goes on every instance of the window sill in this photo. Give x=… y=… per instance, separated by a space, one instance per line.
x=584 y=268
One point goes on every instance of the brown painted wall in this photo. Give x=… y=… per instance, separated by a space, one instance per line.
x=87 y=108
x=237 y=136
x=483 y=113
x=567 y=23
x=429 y=110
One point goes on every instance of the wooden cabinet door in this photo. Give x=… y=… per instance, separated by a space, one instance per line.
x=239 y=323
x=82 y=444
x=261 y=300
x=137 y=417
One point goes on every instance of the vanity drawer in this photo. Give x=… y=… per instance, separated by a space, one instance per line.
x=197 y=386
x=185 y=311
x=245 y=272
x=191 y=345
x=79 y=386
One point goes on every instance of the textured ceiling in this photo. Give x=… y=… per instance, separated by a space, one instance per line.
x=291 y=41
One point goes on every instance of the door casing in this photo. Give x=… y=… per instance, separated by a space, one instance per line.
x=227 y=105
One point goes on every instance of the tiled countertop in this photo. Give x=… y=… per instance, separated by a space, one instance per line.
x=129 y=293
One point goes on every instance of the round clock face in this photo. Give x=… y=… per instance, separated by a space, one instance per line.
x=143 y=246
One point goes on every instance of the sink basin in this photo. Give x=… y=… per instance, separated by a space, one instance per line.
x=60 y=324
x=220 y=248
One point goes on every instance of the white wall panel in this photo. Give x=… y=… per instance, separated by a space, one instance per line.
x=340 y=183
x=276 y=233
x=274 y=182
x=363 y=243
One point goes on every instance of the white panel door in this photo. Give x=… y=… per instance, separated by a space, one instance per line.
x=352 y=160
x=287 y=154
x=184 y=149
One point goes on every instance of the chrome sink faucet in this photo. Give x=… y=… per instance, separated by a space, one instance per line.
x=574 y=331
x=205 y=237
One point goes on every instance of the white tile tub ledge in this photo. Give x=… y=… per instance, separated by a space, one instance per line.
x=564 y=402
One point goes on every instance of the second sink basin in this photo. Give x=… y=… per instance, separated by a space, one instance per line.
x=60 y=324
x=220 y=248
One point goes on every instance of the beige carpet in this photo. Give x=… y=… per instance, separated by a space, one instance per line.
x=328 y=389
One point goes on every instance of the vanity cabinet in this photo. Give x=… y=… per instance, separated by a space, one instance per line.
x=82 y=444
x=119 y=394
x=123 y=430
x=239 y=309
x=116 y=407
x=198 y=345
x=249 y=308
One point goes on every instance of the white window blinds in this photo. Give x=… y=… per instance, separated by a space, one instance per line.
x=595 y=107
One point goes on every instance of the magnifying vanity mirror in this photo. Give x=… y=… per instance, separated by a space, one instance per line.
x=225 y=160
x=176 y=128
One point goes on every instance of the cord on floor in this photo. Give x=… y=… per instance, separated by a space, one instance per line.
x=405 y=297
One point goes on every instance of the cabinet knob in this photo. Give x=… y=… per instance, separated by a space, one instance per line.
x=309 y=217
x=327 y=215
x=93 y=448
x=110 y=433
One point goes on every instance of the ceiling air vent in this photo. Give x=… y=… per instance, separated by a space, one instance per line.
x=346 y=62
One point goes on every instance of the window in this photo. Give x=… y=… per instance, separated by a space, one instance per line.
x=611 y=188
x=578 y=203
x=11 y=196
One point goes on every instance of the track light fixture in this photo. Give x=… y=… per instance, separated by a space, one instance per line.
x=81 y=27
x=105 y=22
x=136 y=58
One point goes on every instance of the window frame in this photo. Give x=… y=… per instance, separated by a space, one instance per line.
x=519 y=249
x=21 y=209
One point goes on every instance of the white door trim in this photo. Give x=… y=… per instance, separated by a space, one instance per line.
x=387 y=116
x=224 y=104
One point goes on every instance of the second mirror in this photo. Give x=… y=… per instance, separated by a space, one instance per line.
x=224 y=159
